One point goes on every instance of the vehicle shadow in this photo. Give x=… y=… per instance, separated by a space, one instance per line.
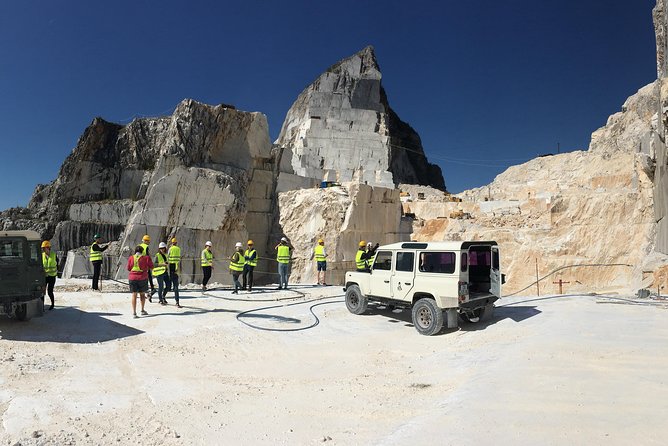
x=515 y=313
x=66 y=325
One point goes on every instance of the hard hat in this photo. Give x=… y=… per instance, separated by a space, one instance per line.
x=362 y=244
x=46 y=244
x=146 y=238
x=238 y=245
x=208 y=243
x=250 y=242
x=174 y=240
x=283 y=239
x=321 y=240
x=96 y=236
x=162 y=245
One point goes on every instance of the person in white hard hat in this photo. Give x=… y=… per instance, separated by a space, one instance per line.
x=237 y=262
x=207 y=264
x=160 y=272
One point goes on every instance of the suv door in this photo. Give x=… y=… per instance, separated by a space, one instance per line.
x=381 y=274
x=403 y=275
x=495 y=273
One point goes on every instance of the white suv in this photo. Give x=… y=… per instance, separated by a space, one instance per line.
x=458 y=278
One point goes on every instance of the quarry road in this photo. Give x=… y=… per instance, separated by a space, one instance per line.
x=548 y=371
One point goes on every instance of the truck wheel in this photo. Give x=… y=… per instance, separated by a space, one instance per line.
x=356 y=302
x=21 y=312
x=427 y=317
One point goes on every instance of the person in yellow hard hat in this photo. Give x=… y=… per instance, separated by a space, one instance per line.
x=145 y=241
x=363 y=255
x=50 y=264
x=251 y=262
x=320 y=255
x=283 y=250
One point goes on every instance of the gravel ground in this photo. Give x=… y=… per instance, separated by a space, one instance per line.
x=550 y=370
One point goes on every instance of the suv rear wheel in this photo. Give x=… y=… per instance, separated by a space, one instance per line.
x=427 y=317
x=356 y=302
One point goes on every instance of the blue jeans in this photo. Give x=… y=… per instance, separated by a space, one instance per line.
x=164 y=282
x=283 y=274
x=175 y=285
x=235 y=279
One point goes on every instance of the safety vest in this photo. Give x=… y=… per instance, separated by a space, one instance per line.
x=135 y=264
x=49 y=263
x=207 y=257
x=320 y=253
x=95 y=256
x=239 y=264
x=360 y=263
x=159 y=270
x=283 y=255
x=247 y=254
x=370 y=260
x=144 y=247
x=174 y=255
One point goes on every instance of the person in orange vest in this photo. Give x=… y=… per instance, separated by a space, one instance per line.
x=50 y=264
x=139 y=266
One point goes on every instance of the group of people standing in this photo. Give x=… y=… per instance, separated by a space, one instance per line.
x=164 y=268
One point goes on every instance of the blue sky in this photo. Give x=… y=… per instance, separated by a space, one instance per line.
x=486 y=84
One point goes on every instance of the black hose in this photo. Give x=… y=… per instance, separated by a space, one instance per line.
x=308 y=327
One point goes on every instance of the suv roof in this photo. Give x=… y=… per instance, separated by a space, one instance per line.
x=30 y=235
x=449 y=246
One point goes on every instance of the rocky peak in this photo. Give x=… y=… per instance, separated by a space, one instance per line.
x=342 y=128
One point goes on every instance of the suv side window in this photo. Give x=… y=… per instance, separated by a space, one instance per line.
x=383 y=260
x=405 y=261
x=438 y=262
x=35 y=251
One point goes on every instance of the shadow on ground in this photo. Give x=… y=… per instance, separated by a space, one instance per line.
x=516 y=313
x=66 y=325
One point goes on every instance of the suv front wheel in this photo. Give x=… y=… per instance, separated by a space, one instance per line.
x=356 y=302
x=427 y=317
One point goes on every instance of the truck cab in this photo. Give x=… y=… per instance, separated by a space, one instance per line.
x=438 y=281
x=22 y=280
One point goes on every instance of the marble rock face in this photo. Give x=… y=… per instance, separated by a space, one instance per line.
x=341 y=128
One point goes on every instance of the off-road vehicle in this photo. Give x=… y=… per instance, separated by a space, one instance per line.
x=456 y=278
x=22 y=279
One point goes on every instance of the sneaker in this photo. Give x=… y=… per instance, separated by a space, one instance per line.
x=51 y=307
x=178 y=305
x=203 y=289
x=144 y=313
x=324 y=284
x=149 y=299
x=134 y=316
x=235 y=292
x=279 y=288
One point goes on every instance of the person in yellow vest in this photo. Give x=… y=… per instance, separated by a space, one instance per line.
x=362 y=258
x=207 y=264
x=251 y=262
x=320 y=255
x=50 y=264
x=139 y=266
x=237 y=262
x=145 y=241
x=174 y=260
x=283 y=259
x=95 y=255
x=161 y=273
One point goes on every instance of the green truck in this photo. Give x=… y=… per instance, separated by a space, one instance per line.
x=22 y=280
